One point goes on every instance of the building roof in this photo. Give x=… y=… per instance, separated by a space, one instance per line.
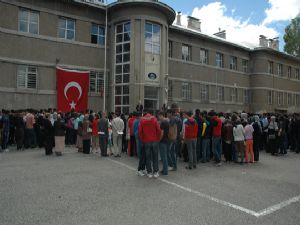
x=167 y=10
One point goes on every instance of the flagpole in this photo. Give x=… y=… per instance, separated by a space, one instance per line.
x=105 y=59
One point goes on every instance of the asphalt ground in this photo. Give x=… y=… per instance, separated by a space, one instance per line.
x=90 y=190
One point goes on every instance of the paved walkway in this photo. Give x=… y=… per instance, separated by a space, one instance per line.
x=90 y=190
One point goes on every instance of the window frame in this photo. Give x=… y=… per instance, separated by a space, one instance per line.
x=245 y=65
x=204 y=92
x=98 y=80
x=28 y=22
x=219 y=60
x=280 y=69
x=204 y=59
x=98 y=35
x=66 y=29
x=233 y=63
x=27 y=73
x=152 y=41
x=186 y=91
x=187 y=57
x=270 y=67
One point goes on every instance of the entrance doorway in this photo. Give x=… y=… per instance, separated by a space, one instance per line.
x=151 y=99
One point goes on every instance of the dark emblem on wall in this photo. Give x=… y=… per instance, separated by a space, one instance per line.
x=152 y=76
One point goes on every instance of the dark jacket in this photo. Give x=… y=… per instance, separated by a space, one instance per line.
x=103 y=126
x=59 y=127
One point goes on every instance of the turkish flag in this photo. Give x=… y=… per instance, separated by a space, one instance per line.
x=72 y=90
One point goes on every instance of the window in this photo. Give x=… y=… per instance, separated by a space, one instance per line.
x=28 y=21
x=152 y=38
x=66 y=28
x=151 y=98
x=280 y=98
x=203 y=56
x=97 y=34
x=186 y=53
x=247 y=96
x=270 y=97
x=220 y=94
x=245 y=65
x=170 y=49
x=233 y=95
x=233 y=63
x=204 y=92
x=297 y=100
x=279 y=70
x=219 y=60
x=26 y=77
x=270 y=67
x=96 y=82
x=289 y=99
x=289 y=72
x=297 y=74
x=122 y=67
x=186 y=93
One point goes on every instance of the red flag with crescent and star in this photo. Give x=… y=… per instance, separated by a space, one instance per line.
x=72 y=90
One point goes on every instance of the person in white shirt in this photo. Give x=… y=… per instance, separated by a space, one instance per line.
x=239 y=141
x=117 y=130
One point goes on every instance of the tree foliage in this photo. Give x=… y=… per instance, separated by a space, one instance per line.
x=292 y=37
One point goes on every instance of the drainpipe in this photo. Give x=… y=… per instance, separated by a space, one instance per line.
x=105 y=59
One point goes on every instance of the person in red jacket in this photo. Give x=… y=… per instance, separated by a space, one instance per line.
x=190 y=133
x=216 y=137
x=149 y=132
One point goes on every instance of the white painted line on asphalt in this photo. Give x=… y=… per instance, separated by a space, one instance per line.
x=279 y=206
x=250 y=212
x=261 y=213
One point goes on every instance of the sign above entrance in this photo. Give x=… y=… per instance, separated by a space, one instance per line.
x=152 y=76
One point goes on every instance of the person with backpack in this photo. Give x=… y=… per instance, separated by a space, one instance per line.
x=172 y=135
x=190 y=133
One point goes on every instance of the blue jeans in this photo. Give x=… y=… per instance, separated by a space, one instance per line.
x=199 y=149
x=151 y=150
x=141 y=154
x=163 y=149
x=217 y=148
x=5 y=137
x=191 y=146
x=172 y=154
x=205 y=150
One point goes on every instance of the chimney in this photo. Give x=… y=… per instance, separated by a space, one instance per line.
x=194 y=23
x=178 y=19
x=221 y=34
x=263 y=42
x=275 y=44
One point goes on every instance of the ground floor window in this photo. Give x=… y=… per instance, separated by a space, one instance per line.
x=96 y=82
x=27 y=77
x=151 y=98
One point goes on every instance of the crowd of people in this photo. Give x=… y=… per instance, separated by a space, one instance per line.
x=196 y=137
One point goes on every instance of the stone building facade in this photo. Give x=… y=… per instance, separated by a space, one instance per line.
x=137 y=52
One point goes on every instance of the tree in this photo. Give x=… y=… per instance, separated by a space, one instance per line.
x=292 y=37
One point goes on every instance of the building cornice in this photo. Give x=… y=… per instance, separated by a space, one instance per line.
x=167 y=10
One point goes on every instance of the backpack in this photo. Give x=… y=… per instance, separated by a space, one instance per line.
x=172 y=135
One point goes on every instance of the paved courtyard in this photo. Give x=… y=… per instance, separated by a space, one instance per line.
x=90 y=190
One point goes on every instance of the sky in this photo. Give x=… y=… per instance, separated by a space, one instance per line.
x=243 y=20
